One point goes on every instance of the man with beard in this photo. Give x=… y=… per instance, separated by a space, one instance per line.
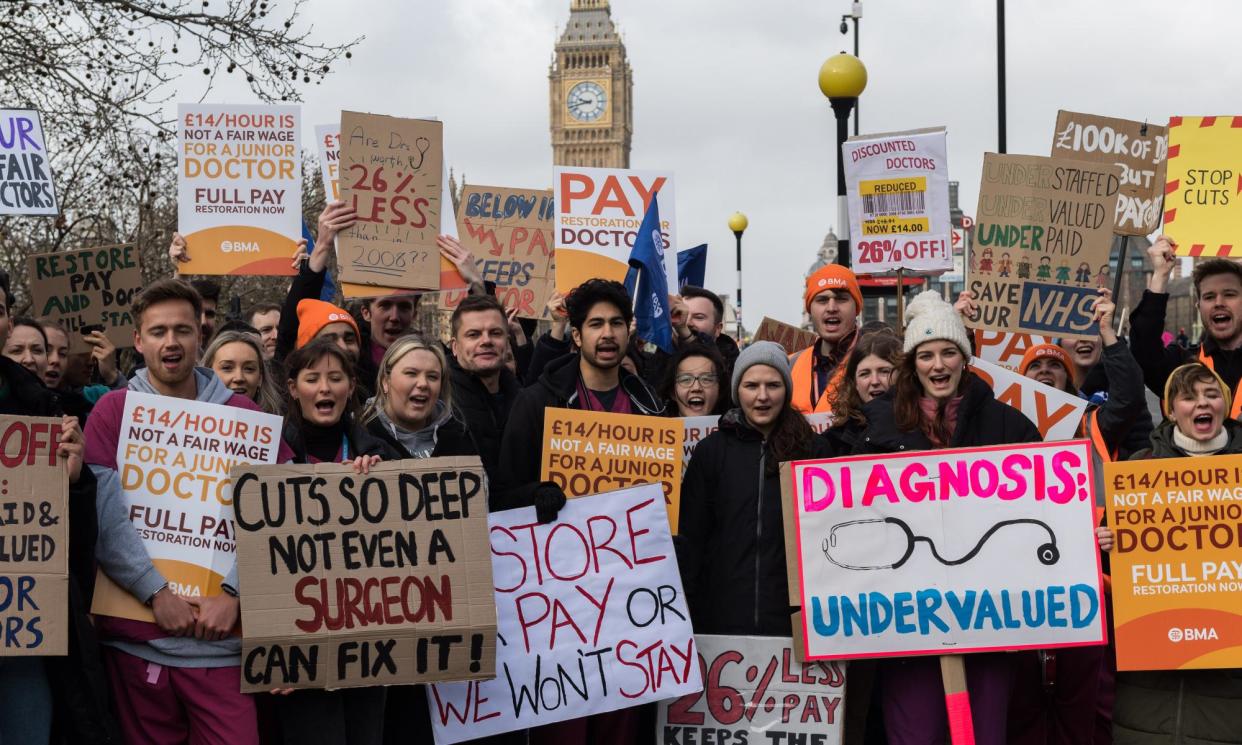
x=484 y=389
x=1218 y=294
x=833 y=300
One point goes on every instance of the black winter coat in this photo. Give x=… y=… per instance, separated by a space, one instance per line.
x=1123 y=417
x=485 y=421
x=732 y=534
x=1158 y=360
x=361 y=442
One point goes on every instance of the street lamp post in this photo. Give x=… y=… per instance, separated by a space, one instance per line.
x=855 y=15
x=738 y=224
x=842 y=79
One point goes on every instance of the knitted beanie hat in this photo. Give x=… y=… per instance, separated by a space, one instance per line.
x=1039 y=351
x=313 y=315
x=832 y=277
x=763 y=353
x=930 y=318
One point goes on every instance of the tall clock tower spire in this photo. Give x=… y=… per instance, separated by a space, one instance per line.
x=591 y=91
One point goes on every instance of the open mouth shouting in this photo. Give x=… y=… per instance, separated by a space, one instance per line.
x=326 y=410
x=941 y=382
x=172 y=359
x=696 y=403
x=607 y=351
x=833 y=323
x=1220 y=322
x=1204 y=424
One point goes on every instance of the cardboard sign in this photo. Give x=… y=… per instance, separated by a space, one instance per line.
x=91 y=286
x=897 y=555
x=591 y=618
x=1005 y=348
x=34 y=539
x=897 y=189
x=392 y=172
x=350 y=580
x=239 y=188
x=1056 y=413
x=598 y=211
x=792 y=338
x=1177 y=562
x=1041 y=246
x=509 y=231
x=26 y=184
x=174 y=458
x=1140 y=150
x=588 y=452
x=1201 y=204
x=756 y=691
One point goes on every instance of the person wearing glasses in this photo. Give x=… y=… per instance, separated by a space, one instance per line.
x=694 y=382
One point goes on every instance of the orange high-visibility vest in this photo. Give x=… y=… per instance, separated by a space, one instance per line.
x=1090 y=428
x=1236 y=409
x=806 y=397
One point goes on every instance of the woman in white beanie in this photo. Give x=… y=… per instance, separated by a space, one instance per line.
x=936 y=402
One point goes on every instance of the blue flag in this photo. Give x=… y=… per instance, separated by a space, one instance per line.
x=328 y=293
x=647 y=281
x=692 y=266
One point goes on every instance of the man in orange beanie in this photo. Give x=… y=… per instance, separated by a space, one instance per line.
x=833 y=301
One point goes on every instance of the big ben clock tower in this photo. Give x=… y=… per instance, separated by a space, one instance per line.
x=591 y=91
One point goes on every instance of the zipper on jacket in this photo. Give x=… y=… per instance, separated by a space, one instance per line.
x=763 y=450
x=1177 y=721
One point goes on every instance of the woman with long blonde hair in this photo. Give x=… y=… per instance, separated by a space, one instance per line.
x=237 y=359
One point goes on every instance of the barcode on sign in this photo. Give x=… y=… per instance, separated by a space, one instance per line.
x=903 y=203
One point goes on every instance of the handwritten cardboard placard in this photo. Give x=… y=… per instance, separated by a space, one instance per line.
x=1177 y=562
x=239 y=187
x=756 y=691
x=509 y=231
x=897 y=190
x=598 y=212
x=1054 y=412
x=587 y=623
x=26 y=183
x=360 y=580
x=90 y=286
x=392 y=172
x=792 y=338
x=34 y=539
x=1140 y=149
x=1201 y=203
x=1041 y=244
x=588 y=452
x=174 y=458
x=896 y=555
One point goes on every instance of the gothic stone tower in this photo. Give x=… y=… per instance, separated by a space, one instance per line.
x=591 y=91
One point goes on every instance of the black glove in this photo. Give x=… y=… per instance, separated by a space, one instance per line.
x=549 y=499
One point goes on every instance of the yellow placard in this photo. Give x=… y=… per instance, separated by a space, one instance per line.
x=1203 y=190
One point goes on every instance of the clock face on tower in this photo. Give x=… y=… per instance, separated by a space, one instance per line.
x=586 y=101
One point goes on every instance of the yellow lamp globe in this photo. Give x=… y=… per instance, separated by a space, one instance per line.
x=842 y=76
x=738 y=222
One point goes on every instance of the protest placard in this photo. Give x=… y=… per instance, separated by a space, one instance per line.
x=1041 y=245
x=1056 y=413
x=1201 y=205
x=896 y=554
x=588 y=452
x=360 y=580
x=756 y=691
x=1005 y=348
x=791 y=338
x=591 y=618
x=328 y=143
x=26 y=183
x=897 y=190
x=239 y=188
x=87 y=287
x=509 y=231
x=598 y=211
x=34 y=538
x=393 y=175
x=694 y=430
x=1139 y=148
x=173 y=459
x=1177 y=562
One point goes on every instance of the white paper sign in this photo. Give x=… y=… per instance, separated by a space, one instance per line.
x=26 y=184
x=1005 y=348
x=328 y=143
x=1056 y=413
x=591 y=617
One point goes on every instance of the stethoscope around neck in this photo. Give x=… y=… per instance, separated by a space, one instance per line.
x=1047 y=553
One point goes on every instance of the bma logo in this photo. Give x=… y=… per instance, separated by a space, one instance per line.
x=240 y=247
x=1193 y=635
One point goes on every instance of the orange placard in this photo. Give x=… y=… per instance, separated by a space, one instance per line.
x=1177 y=564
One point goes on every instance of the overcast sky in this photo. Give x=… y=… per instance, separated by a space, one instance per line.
x=726 y=97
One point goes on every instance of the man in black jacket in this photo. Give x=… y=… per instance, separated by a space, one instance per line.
x=483 y=387
x=702 y=320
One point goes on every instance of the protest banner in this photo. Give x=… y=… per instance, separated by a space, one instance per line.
x=1177 y=562
x=790 y=337
x=1041 y=245
x=173 y=459
x=591 y=618
x=1139 y=148
x=896 y=555
x=588 y=452
x=1201 y=205
x=598 y=212
x=87 y=287
x=756 y=691
x=26 y=183
x=355 y=580
x=393 y=175
x=328 y=142
x=34 y=538
x=1005 y=348
x=897 y=190
x=239 y=188
x=509 y=231
x=1056 y=413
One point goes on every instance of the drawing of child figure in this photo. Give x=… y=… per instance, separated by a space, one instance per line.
x=1083 y=276
x=985 y=262
x=1104 y=276
x=1063 y=272
x=1005 y=265
x=1045 y=268
x=1024 y=267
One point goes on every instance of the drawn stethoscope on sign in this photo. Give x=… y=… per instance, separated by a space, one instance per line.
x=866 y=539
